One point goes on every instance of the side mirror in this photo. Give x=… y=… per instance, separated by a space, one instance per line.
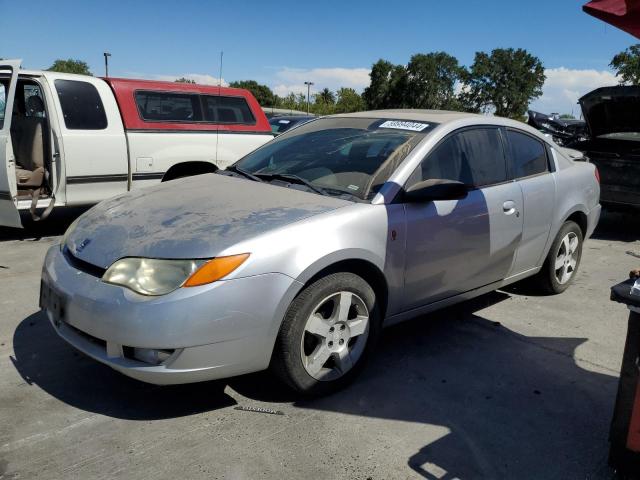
x=435 y=189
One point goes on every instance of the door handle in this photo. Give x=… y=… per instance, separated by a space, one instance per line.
x=509 y=208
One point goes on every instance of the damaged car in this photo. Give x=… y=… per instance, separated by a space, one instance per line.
x=613 y=144
x=295 y=257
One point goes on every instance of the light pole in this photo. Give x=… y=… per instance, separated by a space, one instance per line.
x=308 y=84
x=106 y=63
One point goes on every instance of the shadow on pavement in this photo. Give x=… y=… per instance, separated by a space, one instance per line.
x=45 y=360
x=55 y=224
x=512 y=406
x=618 y=226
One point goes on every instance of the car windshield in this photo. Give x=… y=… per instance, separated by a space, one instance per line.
x=339 y=154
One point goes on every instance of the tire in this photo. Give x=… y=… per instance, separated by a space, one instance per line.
x=346 y=340
x=555 y=280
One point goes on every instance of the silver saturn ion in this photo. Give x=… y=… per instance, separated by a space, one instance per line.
x=296 y=256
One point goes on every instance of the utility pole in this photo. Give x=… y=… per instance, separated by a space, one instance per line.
x=308 y=84
x=106 y=63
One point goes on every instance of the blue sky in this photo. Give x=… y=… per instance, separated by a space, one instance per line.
x=332 y=43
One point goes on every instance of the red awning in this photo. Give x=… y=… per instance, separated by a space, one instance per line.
x=624 y=14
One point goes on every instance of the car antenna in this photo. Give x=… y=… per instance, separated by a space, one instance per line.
x=217 y=103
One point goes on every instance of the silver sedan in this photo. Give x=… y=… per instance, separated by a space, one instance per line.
x=295 y=257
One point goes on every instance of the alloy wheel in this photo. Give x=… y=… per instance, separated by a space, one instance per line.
x=567 y=258
x=335 y=336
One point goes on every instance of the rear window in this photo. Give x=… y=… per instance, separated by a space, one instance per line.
x=193 y=108
x=227 y=110
x=528 y=155
x=81 y=105
x=169 y=107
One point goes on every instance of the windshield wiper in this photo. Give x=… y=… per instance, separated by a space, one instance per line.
x=244 y=173
x=291 y=178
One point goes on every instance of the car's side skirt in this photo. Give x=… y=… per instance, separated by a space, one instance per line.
x=431 y=307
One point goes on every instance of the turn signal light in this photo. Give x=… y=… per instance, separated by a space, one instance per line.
x=215 y=269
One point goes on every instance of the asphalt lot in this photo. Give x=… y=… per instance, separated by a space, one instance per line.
x=510 y=385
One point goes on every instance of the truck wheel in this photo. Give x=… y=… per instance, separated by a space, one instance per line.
x=327 y=334
x=560 y=267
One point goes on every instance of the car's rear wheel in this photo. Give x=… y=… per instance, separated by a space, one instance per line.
x=327 y=334
x=563 y=260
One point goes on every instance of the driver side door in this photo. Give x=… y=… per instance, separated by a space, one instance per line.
x=454 y=246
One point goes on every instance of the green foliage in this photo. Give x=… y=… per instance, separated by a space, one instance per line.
x=504 y=82
x=378 y=94
x=263 y=94
x=627 y=65
x=431 y=81
x=70 y=66
x=567 y=116
x=349 y=101
x=185 y=80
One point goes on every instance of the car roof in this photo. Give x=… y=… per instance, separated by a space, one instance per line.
x=434 y=116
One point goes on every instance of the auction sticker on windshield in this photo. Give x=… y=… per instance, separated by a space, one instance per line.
x=404 y=125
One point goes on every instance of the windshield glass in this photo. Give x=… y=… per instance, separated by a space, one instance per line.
x=351 y=155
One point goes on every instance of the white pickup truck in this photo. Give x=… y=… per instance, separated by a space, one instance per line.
x=76 y=140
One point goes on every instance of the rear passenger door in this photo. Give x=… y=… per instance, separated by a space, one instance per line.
x=455 y=246
x=531 y=167
x=94 y=149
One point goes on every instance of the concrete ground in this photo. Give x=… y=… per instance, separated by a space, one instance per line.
x=511 y=385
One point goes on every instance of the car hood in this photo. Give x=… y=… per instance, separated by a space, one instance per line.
x=196 y=217
x=612 y=110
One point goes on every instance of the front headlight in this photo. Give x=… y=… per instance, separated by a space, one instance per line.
x=155 y=276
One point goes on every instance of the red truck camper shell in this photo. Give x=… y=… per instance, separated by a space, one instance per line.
x=124 y=90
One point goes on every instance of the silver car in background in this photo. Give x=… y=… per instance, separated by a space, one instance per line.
x=295 y=257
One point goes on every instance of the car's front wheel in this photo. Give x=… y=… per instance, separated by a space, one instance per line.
x=563 y=260
x=327 y=334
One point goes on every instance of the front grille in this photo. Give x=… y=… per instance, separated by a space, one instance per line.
x=81 y=265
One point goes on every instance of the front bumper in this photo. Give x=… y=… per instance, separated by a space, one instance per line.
x=214 y=331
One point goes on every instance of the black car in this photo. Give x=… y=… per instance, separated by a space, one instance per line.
x=282 y=124
x=613 y=144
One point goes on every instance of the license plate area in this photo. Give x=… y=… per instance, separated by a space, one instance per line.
x=53 y=302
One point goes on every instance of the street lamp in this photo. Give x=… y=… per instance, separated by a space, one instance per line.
x=106 y=63
x=308 y=84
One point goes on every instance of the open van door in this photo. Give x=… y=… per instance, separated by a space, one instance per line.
x=9 y=216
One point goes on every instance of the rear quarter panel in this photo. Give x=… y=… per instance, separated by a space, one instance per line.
x=577 y=191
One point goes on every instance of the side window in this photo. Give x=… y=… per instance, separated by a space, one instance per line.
x=227 y=110
x=82 y=107
x=483 y=158
x=474 y=157
x=34 y=104
x=528 y=155
x=168 y=106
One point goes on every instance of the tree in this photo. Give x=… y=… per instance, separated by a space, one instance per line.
x=627 y=65
x=326 y=97
x=263 y=94
x=185 y=80
x=567 y=116
x=432 y=79
x=376 y=95
x=70 y=66
x=349 y=101
x=504 y=82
